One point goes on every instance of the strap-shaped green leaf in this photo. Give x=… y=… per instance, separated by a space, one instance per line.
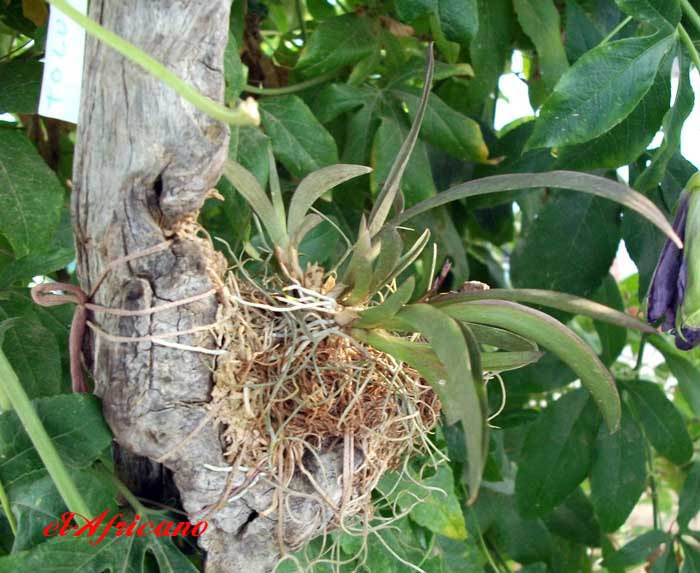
x=316 y=184
x=310 y=222
x=388 y=259
x=583 y=182
x=551 y=299
x=423 y=358
x=461 y=393
x=501 y=338
x=411 y=255
x=374 y=317
x=416 y=354
x=359 y=272
x=554 y=336
x=503 y=361
x=276 y=189
x=247 y=185
x=386 y=197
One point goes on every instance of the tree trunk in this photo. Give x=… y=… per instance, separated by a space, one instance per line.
x=145 y=159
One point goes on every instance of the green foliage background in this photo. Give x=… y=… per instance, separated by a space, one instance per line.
x=340 y=82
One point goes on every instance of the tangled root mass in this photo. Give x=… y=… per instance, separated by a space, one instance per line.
x=294 y=384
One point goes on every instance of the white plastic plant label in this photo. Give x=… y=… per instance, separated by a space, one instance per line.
x=63 y=65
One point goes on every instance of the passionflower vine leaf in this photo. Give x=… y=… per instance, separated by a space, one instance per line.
x=462 y=393
x=115 y=553
x=554 y=336
x=574 y=181
x=314 y=186
x=551 y=299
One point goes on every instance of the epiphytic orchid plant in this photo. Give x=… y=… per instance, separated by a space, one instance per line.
x=453 y=334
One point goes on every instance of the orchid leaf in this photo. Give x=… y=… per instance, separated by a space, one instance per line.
x=359 y=272
x=501 y=338
x=247 y=185
x=411 y=255
x=308 y=223
x=551 y=299
x=314 y=186
x=462 y=393
x=418 y=355
x=389 y=257
x=503 y=361
x=422 y=357
x=583 y=182
x=275 y=188
x=386 y=197
x=374 y=316
x=554 y=336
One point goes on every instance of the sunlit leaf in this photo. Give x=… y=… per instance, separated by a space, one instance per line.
x=600 y=90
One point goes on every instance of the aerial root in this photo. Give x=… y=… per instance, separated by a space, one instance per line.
x=293 y=385
x=290 y=386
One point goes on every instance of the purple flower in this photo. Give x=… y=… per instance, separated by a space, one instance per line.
x=674 y=294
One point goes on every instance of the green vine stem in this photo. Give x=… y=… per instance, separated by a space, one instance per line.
x=300 y=9
x=132 y=500
x=640 y=354
x=4 y=401
x=244 y=114
x=301 y=86
x=37 y=434
x=691 y=14
x=615 y=30
x=652 y=484
x=694 y=19
x=5 y=502
x=685 y=38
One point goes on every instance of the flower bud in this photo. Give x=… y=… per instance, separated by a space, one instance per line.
x=674 y=294
x=688 y=319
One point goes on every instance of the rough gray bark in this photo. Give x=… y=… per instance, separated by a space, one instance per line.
x=145 y=159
